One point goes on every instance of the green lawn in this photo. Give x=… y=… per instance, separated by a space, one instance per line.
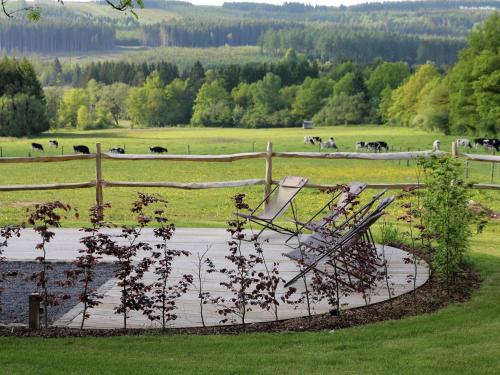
x=460 y=339
x=209 y=207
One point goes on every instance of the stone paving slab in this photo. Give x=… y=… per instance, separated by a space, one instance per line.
x=196 y=240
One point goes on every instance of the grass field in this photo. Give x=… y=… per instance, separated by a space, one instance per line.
x=208 y=207
x=460 y=339
x=183 y=57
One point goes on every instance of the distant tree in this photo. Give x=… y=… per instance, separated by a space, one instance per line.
x=53 y=96
x=114 y=99
x=22 y=115
x=22 y=100
x=432 y=110
x=83 y=120
x=387 y=74
x=213 y=106
x=350 y=84
x=179 y=102
x=405 y=98
x=474 y=82
x=71 y=102
x=147 y=105
x=310 y=96
x=343 y=109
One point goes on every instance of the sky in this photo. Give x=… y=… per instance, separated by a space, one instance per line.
x=313 y=2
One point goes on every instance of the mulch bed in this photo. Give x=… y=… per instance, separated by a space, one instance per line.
x=429 y=298
x=14 y=299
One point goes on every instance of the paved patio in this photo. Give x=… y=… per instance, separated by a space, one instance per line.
x=196 y=240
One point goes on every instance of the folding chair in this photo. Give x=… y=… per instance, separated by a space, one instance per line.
x=322 y=247
x=344 y=199
x=330 y=225
x=279 y=200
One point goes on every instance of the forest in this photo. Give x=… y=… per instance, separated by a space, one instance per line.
x=461 y=100
x=318 y=73
x=412 y=31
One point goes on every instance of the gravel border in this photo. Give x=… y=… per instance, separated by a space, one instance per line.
x=14 y=299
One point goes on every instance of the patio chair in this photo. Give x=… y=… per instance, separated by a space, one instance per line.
x=331 y=227
x=313 y=252
x=279 y=200
x=335 y=211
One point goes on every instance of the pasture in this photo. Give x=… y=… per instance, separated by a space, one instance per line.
x=208 y=208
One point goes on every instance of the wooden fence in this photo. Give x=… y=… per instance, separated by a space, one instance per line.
x=99 y=183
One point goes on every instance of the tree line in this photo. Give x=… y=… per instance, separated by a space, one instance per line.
x=462 y=99
x=326 y=44
x=200 y=33
x=465 y=100
x=135 y=74
x=53 y=36
x=289 y=26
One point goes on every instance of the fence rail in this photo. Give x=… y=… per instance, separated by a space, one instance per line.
x=99 y=183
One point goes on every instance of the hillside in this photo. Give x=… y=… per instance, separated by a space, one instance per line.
x=412 y=31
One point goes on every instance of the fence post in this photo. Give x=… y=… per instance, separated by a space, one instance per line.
x=34 y=310
x=98 y=175
x=454 y=151
x=269 y=170
x=492 y=169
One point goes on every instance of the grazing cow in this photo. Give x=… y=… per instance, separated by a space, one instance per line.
x=382 y=146
x=496 y=143
x=81 y=149
x=463 y=142
x=436 y=145
x=312 y=139
x=479 y=142
x=329 y=144
x=488 y=144
x=361 y=145
x=374 y=146
x=158 y=149
x=117 y=150
x=492 y=143
x=54 y=143
x=37 y=147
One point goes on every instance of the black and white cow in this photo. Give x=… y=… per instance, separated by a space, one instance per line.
x=329 y=144
x=312 y=139
x=496 y=143
x=81 y=149
x=372 y=146
x=492 y=143
x=463 y=142
x=479 y=142
x=487 y=143
x=381 y=145
x=54 y=143
x=37 y=147
x=117 y=150
x=158 y=149
x=360 y=145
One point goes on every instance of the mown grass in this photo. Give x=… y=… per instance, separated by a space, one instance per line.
x=462 y=338
x=208 y=207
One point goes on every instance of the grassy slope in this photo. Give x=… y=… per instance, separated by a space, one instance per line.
x=462 y=338
x=209 y=207
x=182 y=56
